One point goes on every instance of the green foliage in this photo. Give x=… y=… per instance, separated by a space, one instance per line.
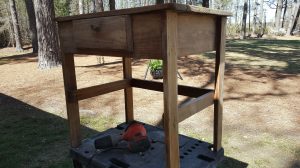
x=62 y=7
x=155 y=65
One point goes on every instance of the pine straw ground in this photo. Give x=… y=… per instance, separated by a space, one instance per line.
x=261 y=106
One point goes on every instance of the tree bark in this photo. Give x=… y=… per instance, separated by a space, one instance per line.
x=205 y=3
x=80 y=5
x=249 y=18
x=32 y=24
x=244 y=21
x=99 y=6
x=159 y=1
x=255 y=17
x=93 y=6
x=278 y=15
x=296 y=20
x=15 y=22
x=261 y=19
x=293 y=17
x=112 y=5
x=284 y=13
x=48 y=52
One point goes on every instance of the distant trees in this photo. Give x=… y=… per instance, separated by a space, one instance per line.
x=99 y=6
x=80 y=5
x=294 y=17
x=32 y=24
x=278 y=15
x=15 y=23
x=244 y=21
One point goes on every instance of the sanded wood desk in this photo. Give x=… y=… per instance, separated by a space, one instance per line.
x=164 y=32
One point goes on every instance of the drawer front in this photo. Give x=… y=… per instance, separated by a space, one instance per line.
x=107 y=33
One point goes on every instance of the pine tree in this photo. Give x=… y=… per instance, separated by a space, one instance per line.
x=48 y=52
x=15 y=22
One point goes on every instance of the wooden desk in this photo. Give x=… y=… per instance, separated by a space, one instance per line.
x=161 y=32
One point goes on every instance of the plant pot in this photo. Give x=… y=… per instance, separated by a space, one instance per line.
x=157 y=74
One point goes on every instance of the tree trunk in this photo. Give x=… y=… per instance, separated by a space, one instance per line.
x=249 y=18
x=49 y=54
x=284 y=12
x=80 y=5
x=236 y=12
x=32 y=25
x=112 y=5
x=159 y=1
x=205 y=3
x=99 y=6
x=261 y=19
x=15 y=22
x=244 y=21
x=255 y=17
x=278 y=15
x=293 y=17
x=93 y=6
x=296 y=19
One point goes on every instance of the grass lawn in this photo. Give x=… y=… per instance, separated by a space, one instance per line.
x=261 y=112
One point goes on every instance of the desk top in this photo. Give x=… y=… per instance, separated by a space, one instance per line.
x=146 y=9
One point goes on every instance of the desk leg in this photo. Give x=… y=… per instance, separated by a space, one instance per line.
x=219 y=80
x=127 y=73
x=170 y=91
x=71 y=102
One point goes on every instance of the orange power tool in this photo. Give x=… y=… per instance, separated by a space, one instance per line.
x=135 y=135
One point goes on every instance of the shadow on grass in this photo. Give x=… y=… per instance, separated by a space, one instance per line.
x=229 y=162
x=281 y=56
x=31 y=137
x=15 y=59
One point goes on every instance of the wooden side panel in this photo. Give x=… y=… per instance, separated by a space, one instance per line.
x=196 y=33
x=66 y=36
x=101 y=33
x=170 y=90
x=147 y=35
x=219 y=80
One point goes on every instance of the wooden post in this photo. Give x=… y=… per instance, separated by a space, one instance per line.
x=127 y=73
x=170 y=90
x=219 y=78
x=71 y=102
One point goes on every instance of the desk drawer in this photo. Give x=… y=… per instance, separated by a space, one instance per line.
x=100 y=33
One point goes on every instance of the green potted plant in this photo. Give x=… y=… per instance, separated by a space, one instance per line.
x=156 y=67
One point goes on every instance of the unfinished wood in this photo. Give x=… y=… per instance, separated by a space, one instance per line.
x=158 y=86
x=196 y=33
x=219 y=80
x=127 y=73
x=93 y=91
x=195 y=105
x=101 y=33
x=147 y=35
x=66 y=37
x=146 y=9
x=104 y=52
x=170 y=90
x=71 y=101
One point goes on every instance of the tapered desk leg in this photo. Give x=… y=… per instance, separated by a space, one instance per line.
x=219 y=78
x=71 y=102
x=170 y=91
x=127 y=73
